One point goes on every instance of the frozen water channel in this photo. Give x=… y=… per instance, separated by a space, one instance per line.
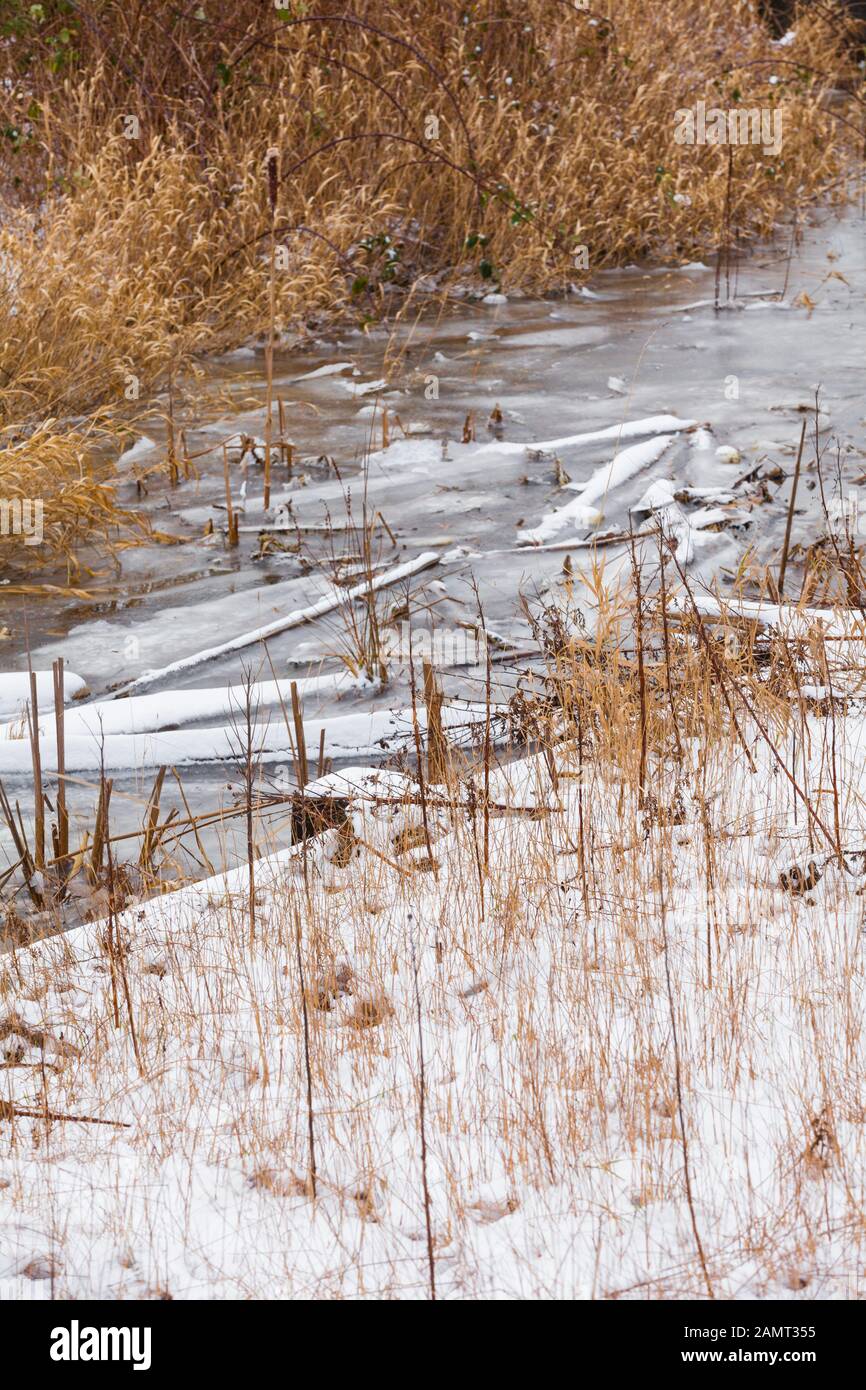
x=498 y=512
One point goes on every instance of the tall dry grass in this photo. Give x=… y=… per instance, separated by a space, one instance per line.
x=524 y=145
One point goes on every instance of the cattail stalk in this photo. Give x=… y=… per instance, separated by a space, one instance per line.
x=784 y=562
x=272 y=168
x=38 y=798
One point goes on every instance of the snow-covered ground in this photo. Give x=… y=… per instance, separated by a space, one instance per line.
x=591 y=1042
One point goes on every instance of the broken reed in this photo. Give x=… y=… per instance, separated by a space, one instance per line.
x=232 y=521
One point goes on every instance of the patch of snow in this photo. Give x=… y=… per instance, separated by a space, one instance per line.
x=582 y=511
x=141 y=447
x=365 y=388
x=629 y=429
x=330 y=369
x=15 y=691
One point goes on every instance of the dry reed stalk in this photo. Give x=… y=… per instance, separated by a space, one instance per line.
x=36 y=757
x=172 y=450
x=419 y=757
x=19 y=839
x=8 y=1111
x=639 y=638
x=719 y=673
x=666 y=637
x=232 y=520
x=392 y=538
x=727 y=689
x=308 y=1073
x=272 y=166
x=488 y=749
x=783 y=564
x=145 y=858
x=247 y=753
x=300 y=741
x=437 y=746
x=193 y=822
x=422 y=1116
x=286 y=449
x=185 y=459
x=61 y=845
x=684 y=1142
x=117 y=955
x=100 y=828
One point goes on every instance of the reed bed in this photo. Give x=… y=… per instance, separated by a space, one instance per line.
x=416 y=151
x=78 y=518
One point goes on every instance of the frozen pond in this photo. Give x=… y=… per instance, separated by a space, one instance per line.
x=641 y=344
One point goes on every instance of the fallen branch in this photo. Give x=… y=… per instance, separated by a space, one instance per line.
x=297 y=618
x=9 y=1111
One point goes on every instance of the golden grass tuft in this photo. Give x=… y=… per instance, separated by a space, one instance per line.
x=54 y=466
